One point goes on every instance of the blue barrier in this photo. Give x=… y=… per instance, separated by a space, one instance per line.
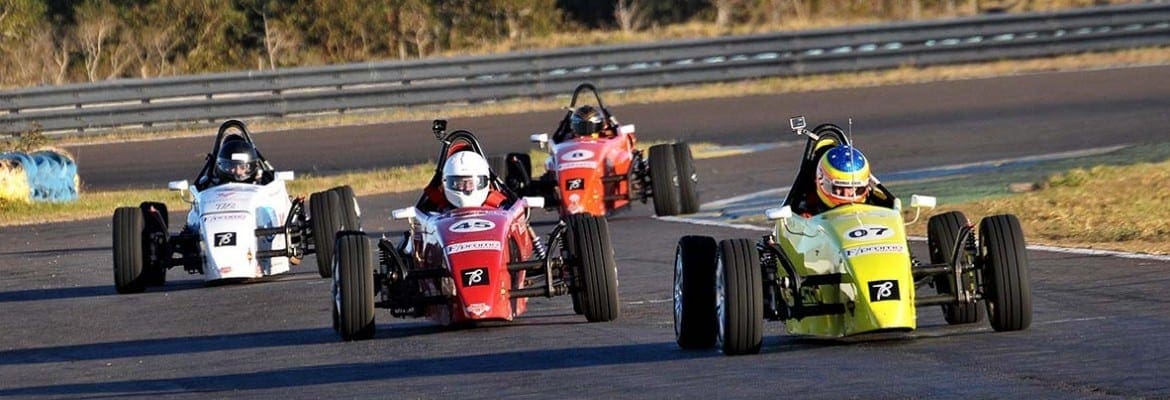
x=50 y=176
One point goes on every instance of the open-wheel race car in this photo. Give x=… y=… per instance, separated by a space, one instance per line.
x=848 y=270
x=242 y=223
x=593 y=166
x=460 y=264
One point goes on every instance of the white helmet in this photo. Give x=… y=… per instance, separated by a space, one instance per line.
x=465 y=179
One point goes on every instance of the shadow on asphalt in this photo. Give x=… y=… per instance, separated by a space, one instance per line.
x=49 y=252
x=89 y=291
x=514 y=361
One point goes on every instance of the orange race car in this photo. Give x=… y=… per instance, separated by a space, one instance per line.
x=594 y=167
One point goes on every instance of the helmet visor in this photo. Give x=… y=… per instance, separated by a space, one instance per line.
x=237 y=169
x=466 y=183
x=583 y=126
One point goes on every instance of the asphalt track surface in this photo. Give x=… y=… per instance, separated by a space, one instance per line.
x=1100 y=324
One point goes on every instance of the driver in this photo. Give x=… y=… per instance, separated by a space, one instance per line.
x=466 y=182
x=588 y=121
x=237 y=161
x=842 y=177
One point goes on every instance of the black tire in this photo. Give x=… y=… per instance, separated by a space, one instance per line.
x=664 y=180
x=156 y=246
x=942 y=231
x=739 y=298
x=347 y=203
x=128 y=226
x=688 y=179
x=588 y=238
x=353 y=286
x=694 y=292
x=515 y=171
x=1007 y=288
x=499 y=165
x=331 y=211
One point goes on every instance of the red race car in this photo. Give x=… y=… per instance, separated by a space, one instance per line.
x=594 y=168
x=463 y=262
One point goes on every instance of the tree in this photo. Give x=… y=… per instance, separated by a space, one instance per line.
x=97 y=23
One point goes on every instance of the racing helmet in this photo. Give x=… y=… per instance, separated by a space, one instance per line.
x=465 y=179
x=842 y=176
x=586 y=121
x=237 y=161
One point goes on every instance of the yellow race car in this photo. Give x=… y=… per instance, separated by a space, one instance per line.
x=846 y=271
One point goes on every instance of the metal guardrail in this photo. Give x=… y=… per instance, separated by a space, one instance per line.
x=202 y=98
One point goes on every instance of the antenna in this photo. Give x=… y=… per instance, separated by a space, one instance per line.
x=849 y=132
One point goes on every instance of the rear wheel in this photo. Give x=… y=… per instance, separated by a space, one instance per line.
x=664 y=180
x=694 y=292
x=739 y=298
x=1005 y=273
x=942 y=235
x=688 y=180
x=331 y=211
x=588 y=238
x=128 y=257
x=353 y=287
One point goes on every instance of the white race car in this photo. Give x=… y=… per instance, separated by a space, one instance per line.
x=234 y=231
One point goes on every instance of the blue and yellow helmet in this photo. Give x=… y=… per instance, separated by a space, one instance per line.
x=842 y=176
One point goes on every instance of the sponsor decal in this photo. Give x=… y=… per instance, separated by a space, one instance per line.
x=475 y=277
x=225 y=205
x=575 y=184
x=225 y=239
x=479 y=308
x=473 y=246
x=224 y=217
x=226 y=194
x=869 y=232
x=577 y=164
x=225 y=270
x=471 y=225
x=577 y=155
x=877 y=248
x=883 y=290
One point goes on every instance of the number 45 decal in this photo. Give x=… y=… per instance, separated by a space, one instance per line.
x=869 y=232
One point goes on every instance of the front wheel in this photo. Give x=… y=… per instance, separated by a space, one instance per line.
x=739 y=298
x=353 y=287
x=694 y=292
x=128 y=256
x=331 y=211
x=588 y=238
x=664 y=180
x=942 y=235
x=1005 y=272
x=688 y=180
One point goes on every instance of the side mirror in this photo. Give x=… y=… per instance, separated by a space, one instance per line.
x=285 y=175
x=918 y=203
x=926 y=202
x=541 y=139
x=534 y=201
x=626 y=129
x=778 y=213
x=177 y=186
x=403 y=213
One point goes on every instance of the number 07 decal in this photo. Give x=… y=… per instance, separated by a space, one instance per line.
x=869 y=232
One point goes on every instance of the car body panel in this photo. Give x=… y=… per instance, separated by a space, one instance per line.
x=227 y=216
x=474 y=245
x=866 y=246
x=579 y=165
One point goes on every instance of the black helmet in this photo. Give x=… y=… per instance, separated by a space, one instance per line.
x=237 y=161
x=587 y=120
